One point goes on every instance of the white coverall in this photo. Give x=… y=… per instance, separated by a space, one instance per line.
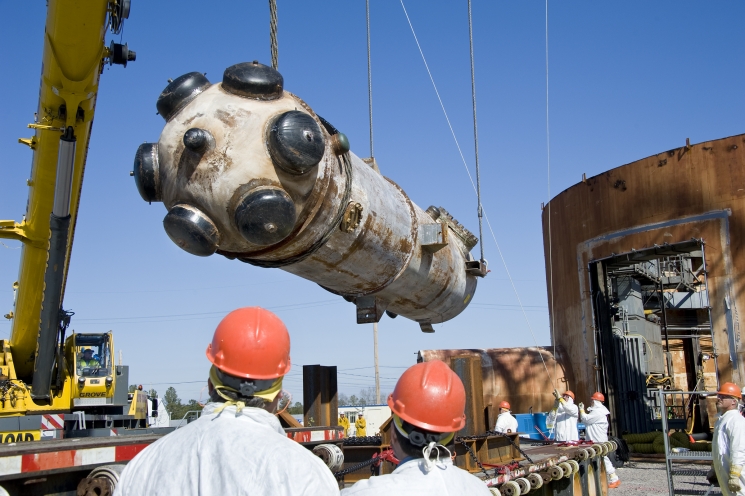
x=567 y=414
x=596 y=423
x=411 y=478
x=728 y=448
x=227 y=454
x=505 y=422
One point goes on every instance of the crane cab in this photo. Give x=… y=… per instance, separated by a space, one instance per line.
x=90 y=359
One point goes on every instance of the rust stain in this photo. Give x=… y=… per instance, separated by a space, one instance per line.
x=226 y=118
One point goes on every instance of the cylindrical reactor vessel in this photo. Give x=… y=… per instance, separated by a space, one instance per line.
x=249 y=171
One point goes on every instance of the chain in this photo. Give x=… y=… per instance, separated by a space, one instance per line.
x=491 y=434
x=354 y=468
x=473 y=455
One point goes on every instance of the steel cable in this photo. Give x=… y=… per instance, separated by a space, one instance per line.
x=486 y=216
x=273 y=33
x=475 y=134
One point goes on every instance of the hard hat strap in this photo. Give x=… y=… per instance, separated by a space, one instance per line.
x=232 y=388
x=420 y=437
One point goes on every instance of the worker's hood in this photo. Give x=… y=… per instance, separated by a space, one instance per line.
x=598 y=407
x=256 y=414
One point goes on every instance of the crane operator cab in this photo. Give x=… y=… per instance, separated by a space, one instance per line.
x=92 y=367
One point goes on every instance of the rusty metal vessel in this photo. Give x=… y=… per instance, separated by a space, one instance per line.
x=251 y=172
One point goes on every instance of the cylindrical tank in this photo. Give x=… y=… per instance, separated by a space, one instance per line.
x=692 y=194
x=249 y=171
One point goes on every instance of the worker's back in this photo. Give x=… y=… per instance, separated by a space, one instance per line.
x=412 y=478
x=227 y=453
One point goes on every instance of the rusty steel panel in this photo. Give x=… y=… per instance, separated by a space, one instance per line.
x=353 y=231
x=468 y=368
x=320 y=398
x=695 y=191
x=516 y=375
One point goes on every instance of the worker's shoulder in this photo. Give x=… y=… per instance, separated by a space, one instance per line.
x=470 y=482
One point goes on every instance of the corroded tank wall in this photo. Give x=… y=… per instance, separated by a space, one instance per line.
x=689 y=192
x=249 y=171
x=516 y=375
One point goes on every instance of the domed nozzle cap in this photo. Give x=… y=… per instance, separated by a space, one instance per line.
x=146 y=173
x=180 y=92
x=296 y=142
x=253 y=80
x=197 y=140
x=265 y=215
x=192 y=230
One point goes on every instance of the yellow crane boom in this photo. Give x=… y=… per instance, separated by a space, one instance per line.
x=73 y=58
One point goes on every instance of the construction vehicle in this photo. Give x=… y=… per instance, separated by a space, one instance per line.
x=43 y=372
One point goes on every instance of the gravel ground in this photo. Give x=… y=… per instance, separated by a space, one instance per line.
x=651 y=479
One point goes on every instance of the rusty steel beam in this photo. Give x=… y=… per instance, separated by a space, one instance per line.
x=320 y=398
x=468 y=368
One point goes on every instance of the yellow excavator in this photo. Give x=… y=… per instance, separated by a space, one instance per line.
x=41 y=370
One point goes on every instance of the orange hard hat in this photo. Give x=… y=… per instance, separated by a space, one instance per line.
x=597 y=395
x=730 y=389
x=431 y=396
x=569 y=393
x=252 y=343
x=504 y=404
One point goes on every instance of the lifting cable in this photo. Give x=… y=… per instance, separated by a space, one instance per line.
x=372 y=164
x=486 y=216
x=548 y=203
x=476 y=135
x=273 y=33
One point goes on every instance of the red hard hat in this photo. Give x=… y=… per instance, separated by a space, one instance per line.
x=431 y=396
x=598 y=396
x=504 y=404
x=251 y=342
x=730 y=389
x=569 y=393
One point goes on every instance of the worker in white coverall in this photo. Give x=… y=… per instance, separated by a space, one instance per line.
x=237 y=446
x=567 y=414
x=428 y=407
x=728 y=443
x=505 y=421
x=596 y=422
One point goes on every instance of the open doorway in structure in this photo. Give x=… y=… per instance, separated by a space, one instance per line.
x=653 y=331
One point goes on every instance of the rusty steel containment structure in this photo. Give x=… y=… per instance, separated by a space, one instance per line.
x=645 y=271
x=515 y=375
x=249 y=171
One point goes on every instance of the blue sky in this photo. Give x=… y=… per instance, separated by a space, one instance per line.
x=626 y=80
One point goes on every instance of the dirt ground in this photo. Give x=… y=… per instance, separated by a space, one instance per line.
x=651 y=479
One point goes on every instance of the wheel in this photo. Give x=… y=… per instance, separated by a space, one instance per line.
x=101 y=481
x=581 y=455
x=536 y=481
x=524 y=484
x=567 y=469
x=510 y=488
x=494 y=491
x=556 y=472
x=574 y=465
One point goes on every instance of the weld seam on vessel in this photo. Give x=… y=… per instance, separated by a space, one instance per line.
x=414 y=237
x=347 y=163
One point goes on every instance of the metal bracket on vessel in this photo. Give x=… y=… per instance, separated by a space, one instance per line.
x=370 y=309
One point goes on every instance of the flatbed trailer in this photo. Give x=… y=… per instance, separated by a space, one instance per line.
x=505 y=466
x=554 y=469
x=60 y=466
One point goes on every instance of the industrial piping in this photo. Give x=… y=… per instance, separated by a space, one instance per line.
x=249 y=171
